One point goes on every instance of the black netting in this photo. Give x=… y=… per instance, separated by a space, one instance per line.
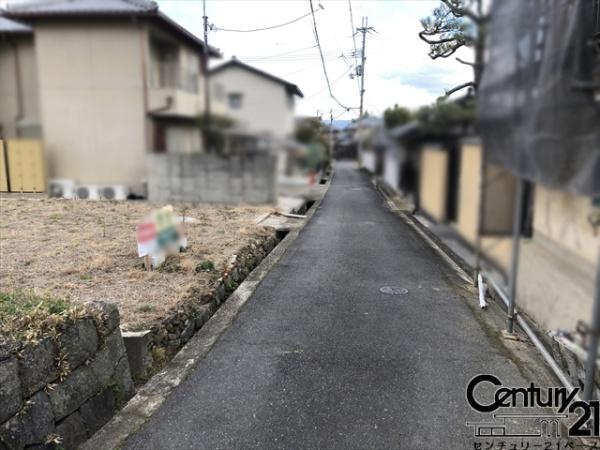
x=538 y=116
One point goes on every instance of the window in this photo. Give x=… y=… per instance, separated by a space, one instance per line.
x=235 y=100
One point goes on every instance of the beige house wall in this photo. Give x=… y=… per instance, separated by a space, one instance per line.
x=92 y=100
x=433 y=182
x=557 y=266
x=265 y=108
x=18 y=50
x=499 y=204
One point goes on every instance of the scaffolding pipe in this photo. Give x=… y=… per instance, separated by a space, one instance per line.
x=514 y=265
x=562 y=377
x=594 y=334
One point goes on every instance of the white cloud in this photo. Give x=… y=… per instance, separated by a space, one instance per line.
x=397 y=70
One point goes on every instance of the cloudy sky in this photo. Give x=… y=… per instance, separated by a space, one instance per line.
x=398 y=69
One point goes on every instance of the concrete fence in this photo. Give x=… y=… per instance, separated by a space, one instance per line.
x=242 y=178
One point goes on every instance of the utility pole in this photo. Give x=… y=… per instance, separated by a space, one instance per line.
x=364 y=30
x=330 y=134
x=206 y=81
x=361 y=73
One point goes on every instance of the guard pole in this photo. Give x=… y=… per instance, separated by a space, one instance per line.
x=594 y=332
x=514 y=265
x=480 y=216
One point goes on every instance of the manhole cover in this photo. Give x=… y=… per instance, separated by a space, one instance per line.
x=393 y=290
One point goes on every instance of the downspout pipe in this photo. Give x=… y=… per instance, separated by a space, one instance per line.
x=19 y=88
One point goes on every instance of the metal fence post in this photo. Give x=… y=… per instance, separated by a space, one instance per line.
x=594 y=333
x=514 y=265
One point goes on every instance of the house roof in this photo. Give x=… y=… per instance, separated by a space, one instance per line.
x=404 y=129
x=13 y=27
x=234 y=62
x=101 y=8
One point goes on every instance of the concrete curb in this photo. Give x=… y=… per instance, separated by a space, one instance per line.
x=151 y=395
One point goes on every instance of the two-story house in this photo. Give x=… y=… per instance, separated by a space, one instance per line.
x=257 y=101
x=114 y=80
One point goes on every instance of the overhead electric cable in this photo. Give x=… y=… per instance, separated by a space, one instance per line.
x=354 y=40
x=216 y=28
x=316 y=31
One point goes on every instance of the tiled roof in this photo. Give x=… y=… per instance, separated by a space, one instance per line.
x=79 y=8
x=234 y=62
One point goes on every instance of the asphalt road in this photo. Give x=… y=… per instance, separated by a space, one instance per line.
x=320 y=358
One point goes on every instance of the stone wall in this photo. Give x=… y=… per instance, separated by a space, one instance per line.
x=63 y=388
x=246 y=178
x=181 y=323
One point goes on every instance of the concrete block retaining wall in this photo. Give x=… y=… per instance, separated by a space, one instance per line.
x=62 y=389
x=196 y=177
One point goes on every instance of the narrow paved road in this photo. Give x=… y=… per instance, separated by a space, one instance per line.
x=320 y=358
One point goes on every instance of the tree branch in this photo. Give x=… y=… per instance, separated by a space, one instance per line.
x=459 y=87
x=422 y=35
x=460 y=12
x=466 y=63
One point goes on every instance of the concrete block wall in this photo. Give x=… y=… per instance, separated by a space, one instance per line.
x=63 y=388
x=246 y=178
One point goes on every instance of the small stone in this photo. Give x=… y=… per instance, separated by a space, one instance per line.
x=220 y=294
x=172 y=336
x=174 y=344
x=71 y=393
x=10 y=389
x=170 y=328
x=188 y=331
x=37 y=366
x=79 y=342
x=98 y=410
x=72 y=431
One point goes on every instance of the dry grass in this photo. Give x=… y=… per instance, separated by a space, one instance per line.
x=87 y=251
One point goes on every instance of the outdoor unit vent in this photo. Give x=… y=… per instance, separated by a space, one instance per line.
x=114 y=192
x=61 y=188
x=87 y=192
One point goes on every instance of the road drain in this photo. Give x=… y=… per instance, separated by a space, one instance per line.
x=393 y=290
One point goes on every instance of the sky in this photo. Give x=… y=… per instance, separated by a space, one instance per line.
x=397 y=69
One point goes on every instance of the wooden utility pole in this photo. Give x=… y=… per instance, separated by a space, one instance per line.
x=206 y=81
x=363 y=57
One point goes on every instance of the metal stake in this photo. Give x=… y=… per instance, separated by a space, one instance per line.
x=514 y=265
x=594 y=333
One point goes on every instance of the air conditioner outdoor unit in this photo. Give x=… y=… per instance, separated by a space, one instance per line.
x=87 y=192
x=114 y=192
x=61 y=188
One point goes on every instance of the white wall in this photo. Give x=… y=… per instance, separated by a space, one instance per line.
x=368 y=160
x=391 y=168
x=265 y=106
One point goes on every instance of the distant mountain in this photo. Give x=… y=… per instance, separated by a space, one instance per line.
x=339 y=124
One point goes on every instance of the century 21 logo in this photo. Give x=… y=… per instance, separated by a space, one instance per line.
x=559 y=398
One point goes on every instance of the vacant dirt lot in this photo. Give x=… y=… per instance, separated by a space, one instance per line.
x=87 y=250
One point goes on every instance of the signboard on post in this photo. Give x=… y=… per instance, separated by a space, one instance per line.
x=158 y=235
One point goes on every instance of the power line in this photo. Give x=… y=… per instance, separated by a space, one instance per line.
x=260 y=58
x=328 y=86
x=265 y=28
x=354 y=40
x=322 y=58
